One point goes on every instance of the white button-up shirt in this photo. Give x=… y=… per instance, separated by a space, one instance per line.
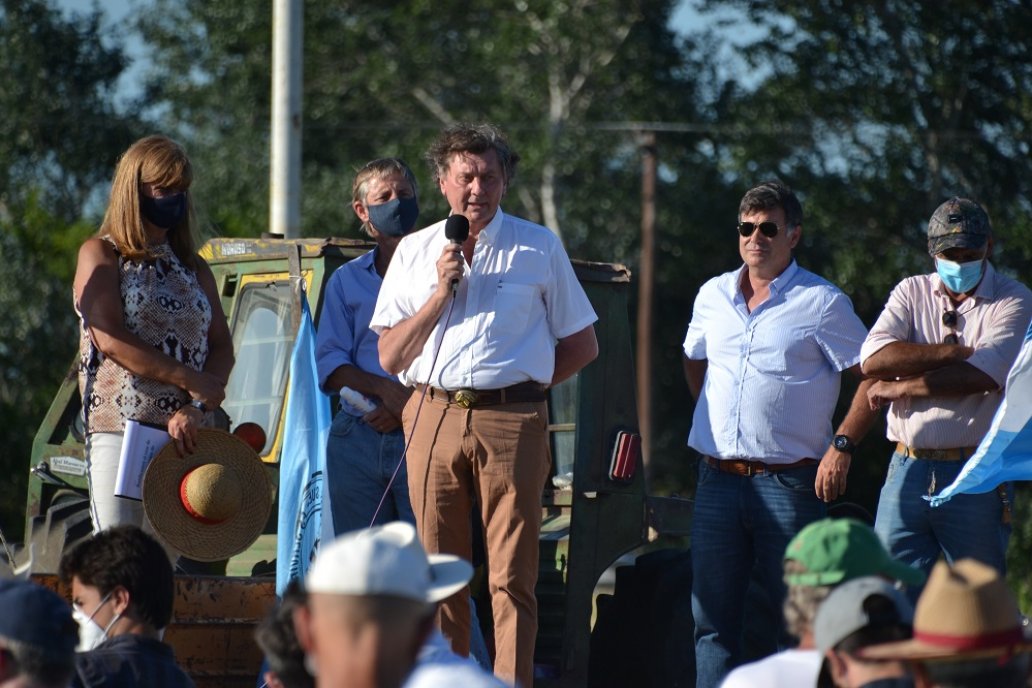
x=519 y=296
x=773 y=374
x=993 y=321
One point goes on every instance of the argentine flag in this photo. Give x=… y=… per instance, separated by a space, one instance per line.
x=1005 y=453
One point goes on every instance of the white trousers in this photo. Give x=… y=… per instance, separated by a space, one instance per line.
x=103 y=450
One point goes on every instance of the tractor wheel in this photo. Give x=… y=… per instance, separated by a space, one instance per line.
x=65 y=523
x=643 y=633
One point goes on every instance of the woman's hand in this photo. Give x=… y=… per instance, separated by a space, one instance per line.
x=182 y=427
x=206 y=387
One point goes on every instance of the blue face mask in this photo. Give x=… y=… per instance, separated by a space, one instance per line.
x=959 y=277
x=395 y=218
x=165 y=212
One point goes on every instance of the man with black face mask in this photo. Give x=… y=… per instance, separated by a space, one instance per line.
x=366 y=441
x=941 y=351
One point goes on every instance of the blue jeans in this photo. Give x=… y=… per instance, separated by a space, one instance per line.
x=741 y=523
x=969 y=525
x=359 y=464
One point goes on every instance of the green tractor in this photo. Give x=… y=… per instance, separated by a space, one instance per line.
x=595 y=508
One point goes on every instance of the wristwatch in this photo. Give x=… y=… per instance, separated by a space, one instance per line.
x=843 y=444
x=203 y=408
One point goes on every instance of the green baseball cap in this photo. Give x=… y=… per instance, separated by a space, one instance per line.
x=834 y=550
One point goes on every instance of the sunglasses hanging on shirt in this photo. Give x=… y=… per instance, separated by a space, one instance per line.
x=949 y=319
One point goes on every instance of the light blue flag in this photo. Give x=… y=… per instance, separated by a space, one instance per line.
x=1005 y=453
x=303 y=460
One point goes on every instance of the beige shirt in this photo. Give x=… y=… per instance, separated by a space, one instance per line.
x=993 y=321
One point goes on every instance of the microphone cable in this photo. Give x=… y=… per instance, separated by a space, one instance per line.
x=430 y=376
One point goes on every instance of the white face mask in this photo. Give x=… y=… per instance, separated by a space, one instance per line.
x=90 y=632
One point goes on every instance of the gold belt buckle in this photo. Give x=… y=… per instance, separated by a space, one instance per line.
x=465 y=398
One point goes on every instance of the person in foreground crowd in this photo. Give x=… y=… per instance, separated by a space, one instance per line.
x=122 y=594
x=967 y=632
x=371 y=599
x=763 y=358
x=365 y=447
x=822 y=556
x=482 y=327
x=37 y=637
x=941 y=351
x=278 y=642
x=436 y=664
x=155 y=346
x=861 y=613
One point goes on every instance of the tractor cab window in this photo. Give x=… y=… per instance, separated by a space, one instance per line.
x=562 y=407
x=262 y=340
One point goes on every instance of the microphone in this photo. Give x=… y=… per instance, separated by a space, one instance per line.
x=456 y=229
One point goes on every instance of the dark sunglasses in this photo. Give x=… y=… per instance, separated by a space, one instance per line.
x=768 y=229
x=949 y=319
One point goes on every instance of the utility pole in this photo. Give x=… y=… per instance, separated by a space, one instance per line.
x=285 y=152
x=646 y=280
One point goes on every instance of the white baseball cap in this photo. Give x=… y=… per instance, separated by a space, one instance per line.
x=386 y=560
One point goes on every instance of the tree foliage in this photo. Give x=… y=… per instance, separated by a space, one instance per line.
x=890 y=108
x=383 y=79
x=60 y=132
x=60 y=135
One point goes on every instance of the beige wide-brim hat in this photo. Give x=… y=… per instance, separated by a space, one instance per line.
x=212 y=504
x=965 y=612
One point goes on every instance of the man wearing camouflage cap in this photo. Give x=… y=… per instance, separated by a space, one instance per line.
x=941 y=351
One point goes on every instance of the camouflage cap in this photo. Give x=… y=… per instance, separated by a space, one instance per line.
x=958 y=223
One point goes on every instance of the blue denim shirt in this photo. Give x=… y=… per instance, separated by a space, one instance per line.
x=344 y=337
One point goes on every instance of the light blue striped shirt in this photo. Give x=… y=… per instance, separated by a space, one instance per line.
x=772 y=379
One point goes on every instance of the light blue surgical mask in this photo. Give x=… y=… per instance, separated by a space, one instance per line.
x=960 y=277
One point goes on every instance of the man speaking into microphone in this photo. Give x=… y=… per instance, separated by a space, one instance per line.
x=484 y=326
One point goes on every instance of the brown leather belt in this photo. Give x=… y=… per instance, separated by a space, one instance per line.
x=523 y=392
x=955 y=454
x=750 y=468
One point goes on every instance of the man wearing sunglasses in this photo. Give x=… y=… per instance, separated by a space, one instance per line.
x=763 y=358
x=941 y=351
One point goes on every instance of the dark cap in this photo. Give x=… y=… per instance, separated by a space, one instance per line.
x=37 y=617
x=958 y=223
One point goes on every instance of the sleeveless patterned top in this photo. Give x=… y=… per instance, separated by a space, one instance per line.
x=162 y=304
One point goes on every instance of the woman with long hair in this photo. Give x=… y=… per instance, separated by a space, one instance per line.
x=155 y=346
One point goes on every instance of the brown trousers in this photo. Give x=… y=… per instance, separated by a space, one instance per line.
x=497 y=459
